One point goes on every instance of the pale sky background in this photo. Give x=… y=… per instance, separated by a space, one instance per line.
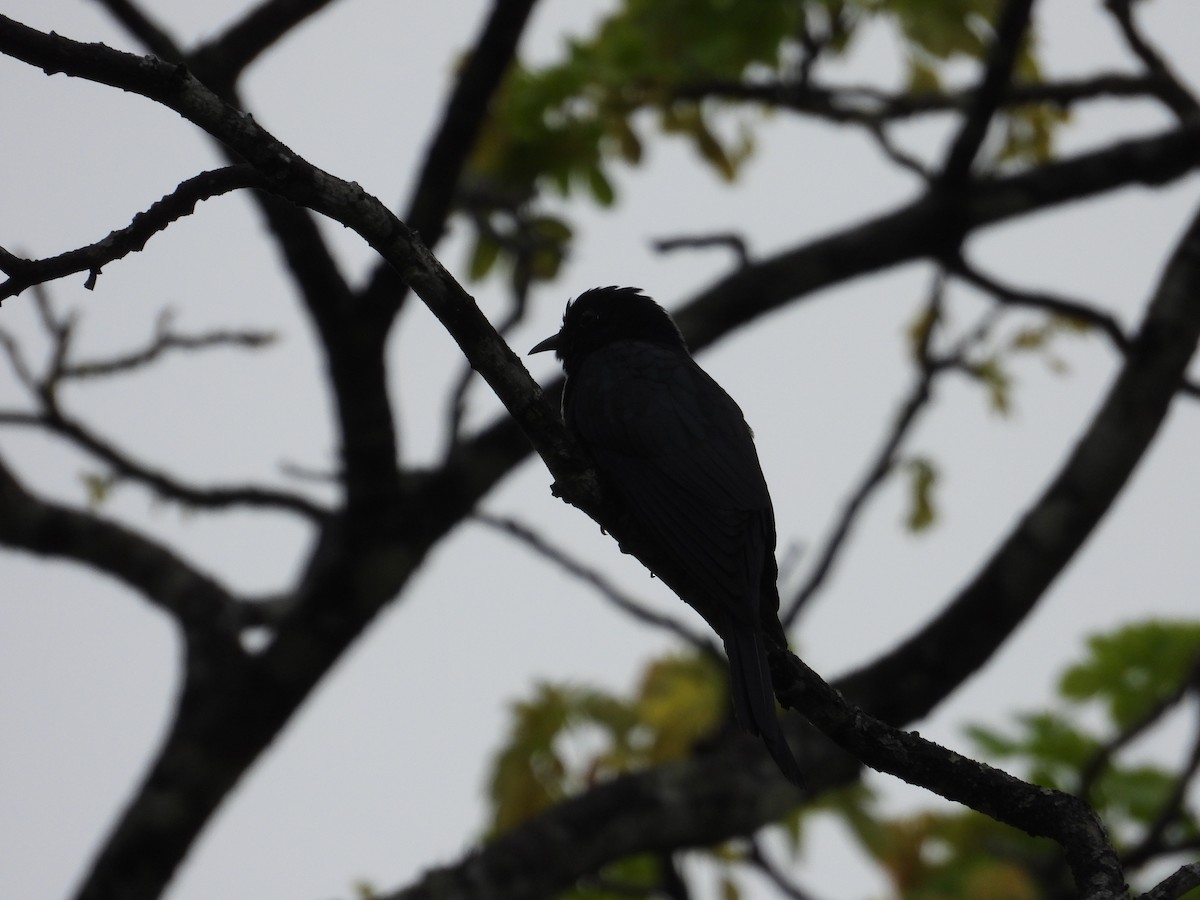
x=381 y=774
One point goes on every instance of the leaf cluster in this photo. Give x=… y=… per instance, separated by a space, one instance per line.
x=565 y=738
x=563 y=127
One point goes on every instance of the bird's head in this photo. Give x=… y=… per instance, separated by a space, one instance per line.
x=602 y=316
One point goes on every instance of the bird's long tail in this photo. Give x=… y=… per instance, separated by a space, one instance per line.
x=754 y=696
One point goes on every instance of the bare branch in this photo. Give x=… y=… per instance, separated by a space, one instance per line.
x=588 y=575
x=163 y=485
x=878 y=131
x=1006 y=587
x=868 y=105
x=782 y=883
x=163 y=342
x=16 y=360
x=885 y=460
x=193 y=599
x=1002 y=58
x=222 y=60
x=140 y=26
x=179 y=203
x=1174 y=886
x=734 y=242
x=1038 y=811
x=1167 y=85
x=1055 y=305
x=464 y=119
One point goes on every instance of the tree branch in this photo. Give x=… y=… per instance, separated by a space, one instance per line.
x=137 y=23
x=587 y=575
x=1174 y=886
x=38 y=526
x=582 y=833
x=1037 y=811
x=159 y=482
x=464 y=119
x=1167 y=85
x=1002 y=57
x=221 y=61
x=885 y=460
x=181 y=202
x=163 y=342
x=870 y=106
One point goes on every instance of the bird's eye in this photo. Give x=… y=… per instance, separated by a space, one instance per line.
x=589 y=317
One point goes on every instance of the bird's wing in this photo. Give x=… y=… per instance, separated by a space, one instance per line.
x=677 y=449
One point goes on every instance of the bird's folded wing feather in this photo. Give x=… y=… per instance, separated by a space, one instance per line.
x=677 y=449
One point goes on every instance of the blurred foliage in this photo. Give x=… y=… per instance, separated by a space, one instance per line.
x=645 y=68
x=922 y=511
x=566 y=738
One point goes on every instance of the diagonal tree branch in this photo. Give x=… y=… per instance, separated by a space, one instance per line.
x=1002 y=58
x=588 y=575
x=1167 y=85
x=221 y=61
x=139 y=24
x=464 y=119
x=904 y=684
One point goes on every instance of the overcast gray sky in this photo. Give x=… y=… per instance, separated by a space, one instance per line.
x=381 y=774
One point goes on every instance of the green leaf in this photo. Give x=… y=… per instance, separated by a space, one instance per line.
x=1132 y=669
x=922 y=511
x=483 y=257
x=992 y=375
x=682 y=699
x=600 y=186
x=99 y=488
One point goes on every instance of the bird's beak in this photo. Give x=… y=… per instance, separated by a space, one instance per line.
x=550 y=343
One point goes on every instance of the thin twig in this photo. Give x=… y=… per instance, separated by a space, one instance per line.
x=733 y=241
x=878 y=131
x=1059 y=306
x=784 y=884
x=181 y=202
x=160 y=483
x=867 y=105
x=164 y=341
x=1167 y=85
x=606 y=588
x=884 y=462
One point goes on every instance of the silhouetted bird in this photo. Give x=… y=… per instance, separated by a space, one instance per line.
x=676 y=449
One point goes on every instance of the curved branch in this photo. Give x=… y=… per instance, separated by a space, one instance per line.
x=38 y=526
x=181 y=202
